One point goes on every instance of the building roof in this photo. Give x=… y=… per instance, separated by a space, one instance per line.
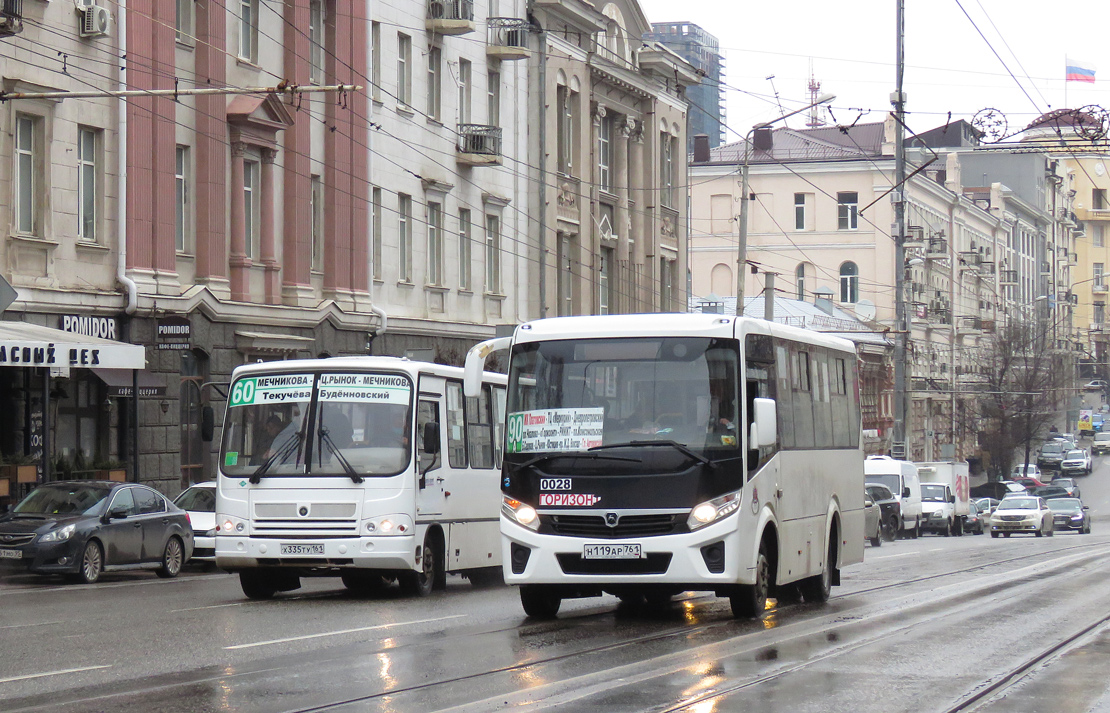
x=826 y=143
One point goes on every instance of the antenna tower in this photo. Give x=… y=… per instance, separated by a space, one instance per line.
x=815 y=118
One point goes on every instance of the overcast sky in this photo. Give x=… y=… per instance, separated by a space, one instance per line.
x=949 y=66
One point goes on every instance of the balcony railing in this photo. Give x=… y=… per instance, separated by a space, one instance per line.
x=479 y=145
x=1098 y=286
x=937 y=248
x=450 y=17
x=11 y=17
x=507 y=38
x=1007 y=277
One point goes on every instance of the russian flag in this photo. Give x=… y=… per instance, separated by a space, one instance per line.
x=1078 y=71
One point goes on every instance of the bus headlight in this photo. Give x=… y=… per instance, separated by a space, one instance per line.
x=388 y=526
x=520 y=513
x=713 y=510
x=228 y=525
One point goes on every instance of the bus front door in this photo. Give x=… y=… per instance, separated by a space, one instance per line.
x=430 y=497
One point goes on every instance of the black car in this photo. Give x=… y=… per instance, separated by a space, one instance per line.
x=1070 y=514
x=82 y=528
x=1049 y=492
x=890 y=510
x=1068 y=484
x=1052 y=454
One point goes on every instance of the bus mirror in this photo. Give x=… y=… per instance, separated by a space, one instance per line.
x=431 y=437
x=207 y=424
x=763 y=424
x=476 y=363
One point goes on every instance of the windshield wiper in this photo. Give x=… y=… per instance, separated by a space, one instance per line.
x=326 y=439
x=673 y=444
x=283 y=451
x=579 y=454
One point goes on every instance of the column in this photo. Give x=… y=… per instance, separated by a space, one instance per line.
x=626 y=206
x=266 y=236
x=639 y=185
x=239 y=262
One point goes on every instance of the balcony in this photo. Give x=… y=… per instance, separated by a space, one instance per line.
x=478 y=145
x=507 y=38
x=970 y=259
x=970 y=325
x=1007 y=277
x=450 y=17
x=11 y=17
x=937 y=249
x=1099 y=287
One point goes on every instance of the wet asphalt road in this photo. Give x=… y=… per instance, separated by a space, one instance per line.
x=935 y=624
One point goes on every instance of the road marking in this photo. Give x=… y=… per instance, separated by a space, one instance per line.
x=337 y=633
x=51 y=673
x=905 y=554
x=211 y=606
x=21 y=626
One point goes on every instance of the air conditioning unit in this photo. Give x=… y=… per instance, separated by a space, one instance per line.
x=95 y=21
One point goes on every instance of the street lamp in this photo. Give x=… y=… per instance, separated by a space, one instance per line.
x=742 y=252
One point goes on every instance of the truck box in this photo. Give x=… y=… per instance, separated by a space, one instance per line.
x=946 y=513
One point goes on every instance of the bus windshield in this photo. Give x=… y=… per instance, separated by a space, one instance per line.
x=574 y=395
x=328 y=424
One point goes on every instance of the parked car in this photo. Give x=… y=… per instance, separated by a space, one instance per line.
x=1076 y=462
x=200 y=502
x=1022 y=513
x=986 y=506
x=1101 y=443
x=1028 y=483
x=1067 y=483
x=1095 y=385
x=1096 y=422
x=1070 y=514
x=890 y=510
x=872 y=522
x=84 y=528
x=1029 y=470
x=976 y=521
x=996 y=489
x=1050 y=491
x=1051 y=455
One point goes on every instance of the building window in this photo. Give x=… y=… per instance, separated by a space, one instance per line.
x=404 y=237
x=1098 y=199
x=1097 y=238
x=846 y=206
x=493 y=254
x=465 y=253
x=86 y=184
x=181 y=198
x=1096 y=272
x=376 y=223
x=849 y=283
x=183 y=23
x=605 y=281
x=250 y=206
x=800 y=282
x=435 y=244
x=666 y=170
x=666 y=284
x=564 y=139
x=493 y=98
x=248 y=30
x=26 y=182
x=1100 y=312
x=404 y=69
x=316 y=211
x=565 y=286
x=435 y=71
x=376 y=61
x=464 y=91
x=316 y=39
x=605 y=153
x=799 y=211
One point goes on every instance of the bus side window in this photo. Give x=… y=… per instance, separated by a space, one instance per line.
x=456 y=433
x=426 y=411
x=479 y=430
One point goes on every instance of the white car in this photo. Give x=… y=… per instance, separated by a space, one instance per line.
x=1021 y=513
x=1029 y=470
x=200 y=502
x=1076 y=461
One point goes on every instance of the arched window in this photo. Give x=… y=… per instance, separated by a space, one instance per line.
x=800 y=281
x=849 y=283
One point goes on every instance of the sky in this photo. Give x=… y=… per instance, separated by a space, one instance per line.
x=950 y=67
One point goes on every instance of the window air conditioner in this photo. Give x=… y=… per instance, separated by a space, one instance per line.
x=94 y=21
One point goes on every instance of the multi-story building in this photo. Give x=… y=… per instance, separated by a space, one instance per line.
x=707 y=99
x=610 y=118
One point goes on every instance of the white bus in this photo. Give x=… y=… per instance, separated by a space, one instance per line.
x=367 y=468
x=652 y=454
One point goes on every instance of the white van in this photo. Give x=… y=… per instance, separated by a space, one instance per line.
x=901 y=477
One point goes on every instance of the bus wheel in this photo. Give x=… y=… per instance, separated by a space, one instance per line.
x=258 y=585
x=540 y=601
x=750 y=600
x=421 y=584
x=818 y=587
x=363 y=583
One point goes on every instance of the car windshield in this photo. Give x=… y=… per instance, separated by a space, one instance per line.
x=1102 y=437
x=1076 y=455
x=1018 y=504
x=1065 y=505
x=197 y=500
x=933 y=493
x=879 y=492
x=63 y=499
x=1055 y=448
x=1063 y=482
x=890 y=480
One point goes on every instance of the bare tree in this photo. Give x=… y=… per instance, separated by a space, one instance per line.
x=1017 y=394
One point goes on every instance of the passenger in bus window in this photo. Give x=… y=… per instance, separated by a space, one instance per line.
x=270 y=429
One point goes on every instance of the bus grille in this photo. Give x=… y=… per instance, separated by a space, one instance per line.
x=627 y=526
x=320 y=520
x=653 y=563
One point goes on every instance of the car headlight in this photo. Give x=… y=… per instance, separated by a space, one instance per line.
x=388 y=526
x=229 y=525
x=61 y=534
x=520 y=513
x=1076 y=517
x=713 y=510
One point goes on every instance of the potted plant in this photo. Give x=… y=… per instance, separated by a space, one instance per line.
x=61 y=468
x=21 y=469
x=110 y=469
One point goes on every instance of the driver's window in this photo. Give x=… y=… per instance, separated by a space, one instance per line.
x=426 y=412
x=125 y=500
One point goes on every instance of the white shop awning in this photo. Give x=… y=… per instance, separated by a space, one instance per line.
x=23 y=344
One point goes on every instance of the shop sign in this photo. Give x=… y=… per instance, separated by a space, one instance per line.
x=99 y=327
x=37 y=354
x=174 y=333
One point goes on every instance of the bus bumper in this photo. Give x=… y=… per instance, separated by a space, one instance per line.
x=388 y=553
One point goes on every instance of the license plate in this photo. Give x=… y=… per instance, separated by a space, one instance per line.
x=611 y=552
x=11 y=554
x=302 y=549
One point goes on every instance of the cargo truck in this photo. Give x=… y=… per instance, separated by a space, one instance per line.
x=945 y=496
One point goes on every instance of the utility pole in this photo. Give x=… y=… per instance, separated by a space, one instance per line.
x=899 y=446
